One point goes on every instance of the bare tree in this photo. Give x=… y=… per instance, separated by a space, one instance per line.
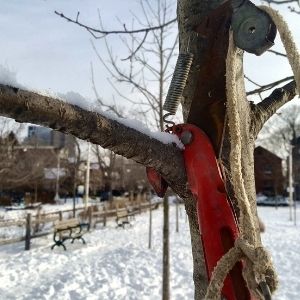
x=291 y=4
x=146 y=71
x=98 y=128
x=23 y=166
x=281 y=130
x=106 y=161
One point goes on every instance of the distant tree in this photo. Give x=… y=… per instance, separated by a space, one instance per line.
x=281 y=130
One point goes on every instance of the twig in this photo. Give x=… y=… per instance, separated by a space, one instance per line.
x=277 y=53
x=93 y=31
x=138 y=48
x=280 y=1
x=293 y=10
x=250 y=80
x=269 y=86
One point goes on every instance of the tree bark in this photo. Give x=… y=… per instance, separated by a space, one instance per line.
x=190 y=14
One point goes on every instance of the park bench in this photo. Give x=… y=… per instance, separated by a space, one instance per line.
x=99 y=217
x=70 y=229
x=122 y=218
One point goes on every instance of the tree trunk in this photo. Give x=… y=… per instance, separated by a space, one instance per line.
x=192 y=13
x=204 y=31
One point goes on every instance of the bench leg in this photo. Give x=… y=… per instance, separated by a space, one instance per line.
x=124 y=223
x=58 y=244
x=78 y=238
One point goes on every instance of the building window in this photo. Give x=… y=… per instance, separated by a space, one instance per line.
x=267 y=169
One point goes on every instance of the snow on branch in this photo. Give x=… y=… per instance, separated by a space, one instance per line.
x=124 y=138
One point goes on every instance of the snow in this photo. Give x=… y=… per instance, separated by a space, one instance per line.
x=80 y=101
x=117 y=264
x=282 y=238
x=163 y=137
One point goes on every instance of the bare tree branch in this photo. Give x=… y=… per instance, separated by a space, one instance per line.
x=137 y=48
x=93 y=31
x=277 y=53
x=265 y=109
x=252 y=81
x=268 y=86
x=110 y=108
x=280 y=1
x=293 y=10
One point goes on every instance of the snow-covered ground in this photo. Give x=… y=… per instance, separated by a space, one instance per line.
x=117 y=264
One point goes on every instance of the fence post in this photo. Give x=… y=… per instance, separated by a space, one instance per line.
x=177 y=221
x=131 y=197
x=139 y=199
x=104 y=218
x=37 y=219
x=89 y=217
x=28 y=232
x=60 y=219
x=150 y=225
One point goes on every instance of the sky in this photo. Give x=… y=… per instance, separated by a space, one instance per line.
x=49 y=54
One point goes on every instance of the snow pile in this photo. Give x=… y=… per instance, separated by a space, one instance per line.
x=117 y=264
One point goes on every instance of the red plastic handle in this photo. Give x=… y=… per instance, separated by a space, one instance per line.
x=216 y=219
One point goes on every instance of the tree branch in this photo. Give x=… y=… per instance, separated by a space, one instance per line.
x=265 y=109
x=278 y=2
x=93 y=31
x=29 y=107
x=268 y=86
x=277 y=53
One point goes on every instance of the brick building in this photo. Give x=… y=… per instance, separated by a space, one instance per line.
x=296 y=167
x=269 y=178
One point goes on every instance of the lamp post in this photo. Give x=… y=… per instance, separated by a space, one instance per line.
x=291 y=187
x=293 y=197
x=291 y=175
x=87 y=177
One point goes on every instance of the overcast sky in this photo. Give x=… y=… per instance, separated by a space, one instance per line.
x=45 y=51
x=48 y=53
